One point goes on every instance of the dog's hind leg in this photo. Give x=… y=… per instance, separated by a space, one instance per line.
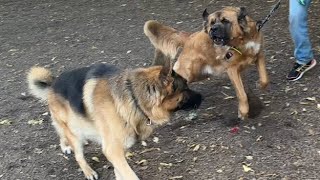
x=261 y=66
x=64 y=143
x=77 y=146
x=69 y=140
x=235 y=77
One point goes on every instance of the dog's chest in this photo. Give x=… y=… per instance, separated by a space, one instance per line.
x=214 y=70
x=253 y=47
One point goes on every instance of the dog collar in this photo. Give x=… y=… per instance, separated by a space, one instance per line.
x=136 y=102
x=230 y=54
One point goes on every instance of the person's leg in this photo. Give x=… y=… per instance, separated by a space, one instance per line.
x=298 y=19
x=298 y=26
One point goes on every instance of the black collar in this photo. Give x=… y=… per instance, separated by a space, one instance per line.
x=136 y=101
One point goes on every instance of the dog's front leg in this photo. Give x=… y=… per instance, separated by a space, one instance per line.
x=114 y=151
x=261 y=66
x=235 y=77
x=113 y=135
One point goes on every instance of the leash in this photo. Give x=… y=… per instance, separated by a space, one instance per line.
x=261 y=23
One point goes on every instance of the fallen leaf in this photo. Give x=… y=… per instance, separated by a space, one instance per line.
x=318 y=106
x=249 y=157
x=176 y=177
x=143 y=143
x=287 y=89
x=156 y=139
x=129 y=155
x=229 y=97
x=143 y=162
x=195 y=159
x=38 y=151
x=166 y=164
x=219 y=171
x=35 y=121
x=13 y=50
x=96 y=159
x=191 y=116
x=5 y=122
x=303 y=103
x=311 y=132
x=259 y=138
x=246 y=168
x=311 y=98
x=128 y=51
x=150 y=149
x=295 y=112
x=196 y=148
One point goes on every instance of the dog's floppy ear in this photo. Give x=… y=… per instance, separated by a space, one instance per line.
x=166 y=71
x=242 y=18
x=205 y=15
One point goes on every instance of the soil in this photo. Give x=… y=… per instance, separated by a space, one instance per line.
x=282 y=142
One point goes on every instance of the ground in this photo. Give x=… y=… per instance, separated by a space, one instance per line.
x=281 y=143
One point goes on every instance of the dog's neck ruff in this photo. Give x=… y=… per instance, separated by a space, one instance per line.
x=136 y=102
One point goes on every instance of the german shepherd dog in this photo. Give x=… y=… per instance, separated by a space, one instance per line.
x=110 y=106
x=229 y=42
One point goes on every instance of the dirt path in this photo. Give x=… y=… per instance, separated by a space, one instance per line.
x=281 y=143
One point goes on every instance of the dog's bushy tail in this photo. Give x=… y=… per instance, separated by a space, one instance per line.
x=39 y=81
x=165 y=38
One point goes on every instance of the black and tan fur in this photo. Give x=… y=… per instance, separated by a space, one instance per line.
x=227 y=32
x=110 y=106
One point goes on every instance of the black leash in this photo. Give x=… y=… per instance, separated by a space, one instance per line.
x=261 y=23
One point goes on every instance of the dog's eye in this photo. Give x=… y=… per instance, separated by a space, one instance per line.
x=225 y=21
x=213 y=22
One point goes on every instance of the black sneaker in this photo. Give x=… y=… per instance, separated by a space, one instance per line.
x=298 y=70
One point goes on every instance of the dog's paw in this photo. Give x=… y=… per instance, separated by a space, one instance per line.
x=66 y=149
x=91 y=174
x=262 y=84
x=242 y=116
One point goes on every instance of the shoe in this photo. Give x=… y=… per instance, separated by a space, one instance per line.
x=299 y=69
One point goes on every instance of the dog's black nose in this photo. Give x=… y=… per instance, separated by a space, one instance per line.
x=214 y=29
x=217 y=31
x=192 y=100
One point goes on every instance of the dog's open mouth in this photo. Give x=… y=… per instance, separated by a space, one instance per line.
x=218 y=41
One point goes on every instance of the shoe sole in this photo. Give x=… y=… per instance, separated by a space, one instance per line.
x=300 y=76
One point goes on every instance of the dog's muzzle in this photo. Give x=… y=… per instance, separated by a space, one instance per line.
x=191 y=100
x=218 y=35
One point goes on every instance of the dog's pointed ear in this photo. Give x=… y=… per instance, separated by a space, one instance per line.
x=166 y=71
x=205 y=15
x=242 y=19
x=243 y=13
